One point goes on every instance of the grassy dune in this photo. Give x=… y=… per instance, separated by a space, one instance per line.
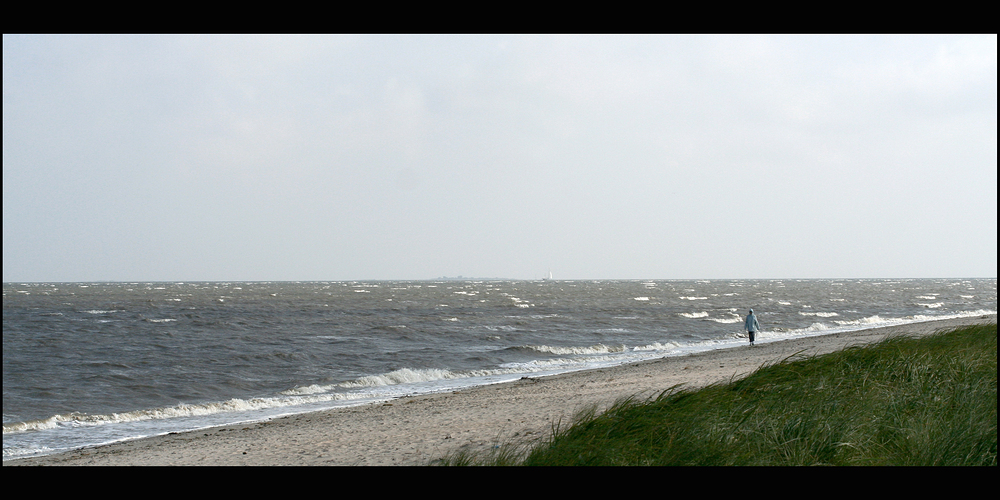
x=904 y=401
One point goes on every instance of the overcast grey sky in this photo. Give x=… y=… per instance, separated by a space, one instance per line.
x=413 y=157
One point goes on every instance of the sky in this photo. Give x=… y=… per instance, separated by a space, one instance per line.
x=380 y=157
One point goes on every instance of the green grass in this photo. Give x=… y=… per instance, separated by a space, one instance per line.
x=903 y=401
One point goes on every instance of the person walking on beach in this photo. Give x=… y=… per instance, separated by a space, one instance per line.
x=752 y=326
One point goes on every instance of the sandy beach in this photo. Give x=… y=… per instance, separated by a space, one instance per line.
x=419 y=430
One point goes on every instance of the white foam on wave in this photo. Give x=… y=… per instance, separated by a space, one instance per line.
x=703 y=314
x=816 y=327
x=594 y=349
x=865 y=322
x=498 y=328
x=562 y=365
x=878 y=321
x=656 y=346
x=874 y=321
x=181 y=410
x=726 y=320
x=402 y=376
x=394 y=378
x=819 y=314
x=584 y=356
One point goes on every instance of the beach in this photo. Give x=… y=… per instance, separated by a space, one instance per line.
x=419 y=430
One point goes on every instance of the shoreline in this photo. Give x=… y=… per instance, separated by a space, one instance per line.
x=417 y=430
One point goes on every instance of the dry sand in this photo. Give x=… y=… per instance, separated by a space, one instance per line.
x=418 y=430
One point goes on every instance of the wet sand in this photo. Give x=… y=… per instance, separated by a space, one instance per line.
x=419 y=430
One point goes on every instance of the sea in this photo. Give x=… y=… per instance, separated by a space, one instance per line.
x=86 y=364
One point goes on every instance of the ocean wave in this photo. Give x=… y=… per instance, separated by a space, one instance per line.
x=402 y=376
x=867 y=321
x=816 y=327
x=657 y=346
x=726 y=320
x=498 y=328
x=696 y=315
x=181 y=410
x=558 y=365
x=396 y=377
x=878 y=321
x=594 y=349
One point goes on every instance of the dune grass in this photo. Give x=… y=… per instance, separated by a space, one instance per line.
x=903 y=401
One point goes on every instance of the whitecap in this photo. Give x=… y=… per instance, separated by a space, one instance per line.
x=594 y=349
x=702 y=314
x=820 y=314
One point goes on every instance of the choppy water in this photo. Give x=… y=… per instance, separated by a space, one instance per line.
x=90 y=363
